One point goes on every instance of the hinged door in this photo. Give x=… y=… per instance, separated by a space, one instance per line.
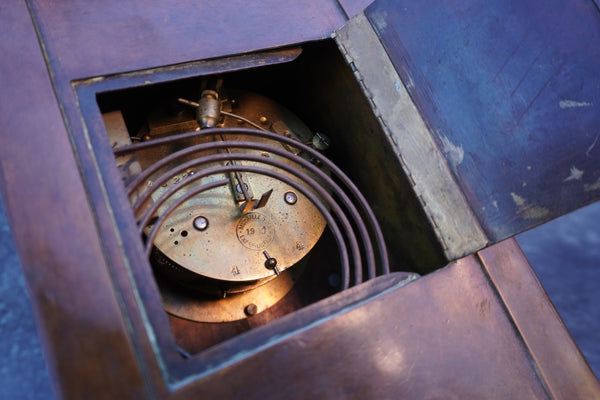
x=492 y=108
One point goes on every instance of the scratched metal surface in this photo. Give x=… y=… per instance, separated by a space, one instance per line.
x=510 y=90
x=85 y=39
x=552 y=249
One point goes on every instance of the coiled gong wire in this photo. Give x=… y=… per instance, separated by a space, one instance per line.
x=349 y=217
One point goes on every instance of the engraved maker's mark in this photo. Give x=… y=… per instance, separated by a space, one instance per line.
x=255 y=231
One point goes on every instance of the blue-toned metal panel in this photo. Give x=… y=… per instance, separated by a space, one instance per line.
x=510 y=90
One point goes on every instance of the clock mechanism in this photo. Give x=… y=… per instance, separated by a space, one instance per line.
x=242 y=215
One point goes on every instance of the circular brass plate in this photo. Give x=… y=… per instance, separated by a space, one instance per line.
x=232 y=248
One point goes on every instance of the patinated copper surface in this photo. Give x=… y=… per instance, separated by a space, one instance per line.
x=563 y=369
x=479 y=328
x=506 y=89
x=82 y=328
x=445 y=335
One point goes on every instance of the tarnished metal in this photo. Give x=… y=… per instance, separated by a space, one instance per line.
x=354 y=248
x=352 y=190
x=195 y=307
x=201 y=223
x=466 y=331
x=209 y=109
x=250 y=310
x=345 y=200
x=183 y=193
x=235 y=238
x=239 y=232
x=290 y=198
x=271 y=263
x=128 y=165
x=321 y=141
x=440 y=196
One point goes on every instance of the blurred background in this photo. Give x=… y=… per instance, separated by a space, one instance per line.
x=565 y=254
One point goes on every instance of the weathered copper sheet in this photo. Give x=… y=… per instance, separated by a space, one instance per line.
x=509 y=91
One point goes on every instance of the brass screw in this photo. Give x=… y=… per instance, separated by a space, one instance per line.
x=251 y=309
x=290 y=198
x=271 y=263
x=201 y=223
